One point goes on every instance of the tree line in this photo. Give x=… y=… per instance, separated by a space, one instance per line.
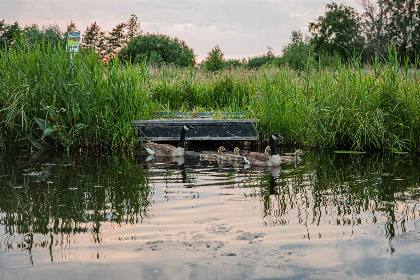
x=341 y=34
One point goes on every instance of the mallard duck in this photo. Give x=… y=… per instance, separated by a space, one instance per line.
x=260 y=159
x=166 y=150
x=267 y=150
x=217 y=156
x=236 y=156
x=292 y=158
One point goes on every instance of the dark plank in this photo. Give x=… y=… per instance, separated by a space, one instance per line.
x=204 y=129
x=180 y=122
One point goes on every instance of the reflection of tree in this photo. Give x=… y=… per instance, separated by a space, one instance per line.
x=67 y=196
x=340 y=189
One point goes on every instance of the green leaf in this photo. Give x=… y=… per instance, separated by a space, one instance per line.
x=38 y=144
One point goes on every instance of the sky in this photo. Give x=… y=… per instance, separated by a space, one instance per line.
x=241 y=28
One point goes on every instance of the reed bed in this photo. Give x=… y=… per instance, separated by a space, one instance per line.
x=47 y=98
x=51 y=100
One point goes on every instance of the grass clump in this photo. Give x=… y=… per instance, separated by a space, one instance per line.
x=51 y=100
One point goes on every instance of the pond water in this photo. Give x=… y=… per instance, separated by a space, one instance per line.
x=116 y=216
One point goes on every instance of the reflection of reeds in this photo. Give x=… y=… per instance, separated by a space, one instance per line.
x=342 y=190
x=84 y=102
x=76 y=197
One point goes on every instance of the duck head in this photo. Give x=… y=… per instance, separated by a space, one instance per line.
x=236 y=151
x=299 y=152
x=275 y=136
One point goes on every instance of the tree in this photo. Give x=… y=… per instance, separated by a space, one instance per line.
x=157 y=49
x=215 y=60
x=116 y=39
x=52 y=34
x=232 y=63
x=338 y=31
x=32 y=34
x=9 y=33
x=94 y=38
x=133 y=27
x=258 y=61
x=375 y=20
x=403 y=26
x=71 y=27
x=297 y=54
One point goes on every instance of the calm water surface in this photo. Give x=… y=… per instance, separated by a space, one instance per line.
x=115 y=216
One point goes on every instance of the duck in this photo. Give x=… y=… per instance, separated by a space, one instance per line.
x=261 y=159
x=166 y=150
x=295 y=158
x=236 y=155
x=217 y=156
x=267 y=150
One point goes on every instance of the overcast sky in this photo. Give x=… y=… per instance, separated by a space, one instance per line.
x=242 y=28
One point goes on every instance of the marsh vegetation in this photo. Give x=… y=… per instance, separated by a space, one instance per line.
x=48 y=99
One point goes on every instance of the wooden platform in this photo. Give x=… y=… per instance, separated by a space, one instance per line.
x=204 y=129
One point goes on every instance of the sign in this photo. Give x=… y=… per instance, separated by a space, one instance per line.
x=73 y=42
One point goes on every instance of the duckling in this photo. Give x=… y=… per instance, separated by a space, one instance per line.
x=166 y=150
x=212 y=157
x=260 y=159
x=235 y=156
x=267 y=150
x=295 y=158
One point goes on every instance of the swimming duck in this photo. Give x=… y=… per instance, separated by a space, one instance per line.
x=166 y=150
x=261 y=159
x=235 y=156
x=292 y=158
x=217 y=156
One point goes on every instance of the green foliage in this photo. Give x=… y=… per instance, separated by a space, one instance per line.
x=133 y=27
x=53 y=101
x=298 y=54
x=215 y=60
x=232 y=63
x=258 y=61
x=9 y=33
x=116 y=39
x=47 y=97
x=94 y=39
x=157 y=49
x=338 y=31
x=403 y=26
x=346 y=106
x=71 y=27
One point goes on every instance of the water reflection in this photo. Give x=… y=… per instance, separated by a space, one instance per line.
x=66 y=196
x=345 y=191
x=46 y=201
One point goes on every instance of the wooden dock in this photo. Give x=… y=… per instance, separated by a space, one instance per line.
x=205 y=129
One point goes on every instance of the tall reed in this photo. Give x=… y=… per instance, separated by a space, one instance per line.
x=365 y=108
x=82 y=102
x=48 y=98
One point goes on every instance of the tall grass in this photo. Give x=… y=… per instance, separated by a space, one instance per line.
x=50 y=99
x=81 y=102
x=370 y=108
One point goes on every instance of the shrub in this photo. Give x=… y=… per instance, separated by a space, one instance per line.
x=157 y=49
